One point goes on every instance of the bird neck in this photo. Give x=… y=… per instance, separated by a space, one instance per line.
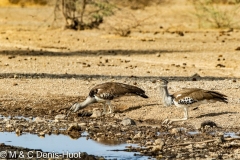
x=78 y=106
x=88 y=101
x=166 y=97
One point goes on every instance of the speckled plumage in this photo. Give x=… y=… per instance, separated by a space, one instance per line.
x=106 y=92
x=190 y=97
x=186 y=100
x=111 y=90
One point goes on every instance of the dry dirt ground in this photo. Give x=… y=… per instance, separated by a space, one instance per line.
x=48 y=69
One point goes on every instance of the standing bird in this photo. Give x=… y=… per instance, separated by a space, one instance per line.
x=106 y=92
x=190 y=97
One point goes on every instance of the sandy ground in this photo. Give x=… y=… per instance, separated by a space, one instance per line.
x=53 y=68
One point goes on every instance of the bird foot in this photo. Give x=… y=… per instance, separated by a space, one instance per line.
x=85 y=113
x=170 y=121
x=107 y=113
x=167 y=122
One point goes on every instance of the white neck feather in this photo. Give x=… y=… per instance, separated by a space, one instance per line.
x=166 y=97
x=85 y=103
x=88 y=101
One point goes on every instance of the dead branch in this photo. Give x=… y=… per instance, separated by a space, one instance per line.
x=188 y=143
x=207 y=141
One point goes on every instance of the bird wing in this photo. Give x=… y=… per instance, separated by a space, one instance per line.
x=102 y=91
x=111 y=90
x=123 y=89
x=192 y=95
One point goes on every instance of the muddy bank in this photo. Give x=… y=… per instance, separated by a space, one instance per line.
x=153 y=139
x=44 y=71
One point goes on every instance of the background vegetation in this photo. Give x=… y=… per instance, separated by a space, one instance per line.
x=89 y=14
x=217 y=13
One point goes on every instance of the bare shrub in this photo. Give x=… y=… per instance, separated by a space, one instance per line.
x=23 y=2
x=226 y=1
x=231 y=2
x=84 y=14
x=123 y=23
x=138 y=4
x=214 y=15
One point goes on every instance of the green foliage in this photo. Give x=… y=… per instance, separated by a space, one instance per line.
x=103 y=9
x=214 y=15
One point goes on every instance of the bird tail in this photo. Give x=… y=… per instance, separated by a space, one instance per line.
x=137 y=91
x=219 y=96
x=143 y=95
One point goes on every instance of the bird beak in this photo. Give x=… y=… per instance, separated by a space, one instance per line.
x=73 y=108
x=68 y=114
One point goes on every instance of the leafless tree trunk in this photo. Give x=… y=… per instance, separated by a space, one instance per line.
x=78 y=17
x=82 y=11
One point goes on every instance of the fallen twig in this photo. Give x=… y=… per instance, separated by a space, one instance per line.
x=185 y=144
x=231 y=139
x=207 y=141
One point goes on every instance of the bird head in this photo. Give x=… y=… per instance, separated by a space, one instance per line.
x=162 y=82
x=74 y=108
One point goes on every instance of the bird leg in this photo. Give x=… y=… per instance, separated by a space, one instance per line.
x=185 y=113
x=107 y=103
x=169 y=121
x=110 y=107
x=104 y=108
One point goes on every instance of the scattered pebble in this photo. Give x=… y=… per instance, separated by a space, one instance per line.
x=39 y=120
x=97 y=113
x=60 y=117
x=127 y=122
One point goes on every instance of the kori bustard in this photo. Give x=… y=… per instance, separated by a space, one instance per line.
x=190 y=97
x=106 y=92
